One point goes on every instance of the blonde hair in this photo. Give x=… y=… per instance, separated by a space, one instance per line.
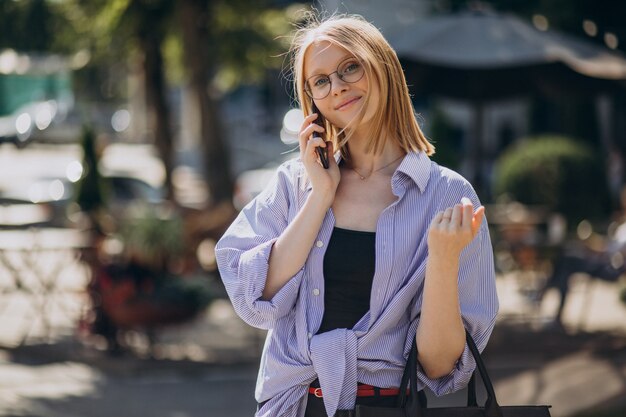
x=394 y=115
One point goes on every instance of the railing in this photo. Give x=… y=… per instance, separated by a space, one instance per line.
x=42 y=283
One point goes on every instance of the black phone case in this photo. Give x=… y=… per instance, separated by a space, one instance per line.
x=321 y=152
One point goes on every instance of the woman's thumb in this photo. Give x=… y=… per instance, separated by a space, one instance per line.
x=477 y=220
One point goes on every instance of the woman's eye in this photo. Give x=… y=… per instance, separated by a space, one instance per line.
x=320 y=82
x=351 y=67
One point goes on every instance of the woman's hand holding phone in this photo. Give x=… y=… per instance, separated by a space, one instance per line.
x=321 y=152
x=323 y=180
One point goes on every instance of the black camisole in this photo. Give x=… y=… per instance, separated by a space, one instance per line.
x=349 y=265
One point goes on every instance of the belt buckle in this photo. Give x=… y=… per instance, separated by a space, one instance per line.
x=318 y=392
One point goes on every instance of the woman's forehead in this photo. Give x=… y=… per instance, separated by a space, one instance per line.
x=322 y=57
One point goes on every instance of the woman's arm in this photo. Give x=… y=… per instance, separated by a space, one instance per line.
x=292 y=248
x=440 y=333
x=262 y=237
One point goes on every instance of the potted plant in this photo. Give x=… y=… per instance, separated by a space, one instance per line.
x=143 y=284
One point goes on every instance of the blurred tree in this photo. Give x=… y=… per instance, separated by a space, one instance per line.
x=226 y=43
x=214 y=45
x=195 y=16
x=26 y=25
x=150 y=18
x=134 y=28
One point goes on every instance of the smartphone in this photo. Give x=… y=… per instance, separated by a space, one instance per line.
x=321 y=152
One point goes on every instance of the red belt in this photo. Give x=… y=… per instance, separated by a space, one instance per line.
x=363 y=391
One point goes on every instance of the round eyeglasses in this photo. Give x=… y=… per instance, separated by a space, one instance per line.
x=349 y=71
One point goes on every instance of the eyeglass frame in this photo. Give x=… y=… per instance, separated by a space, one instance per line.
x=330 y=81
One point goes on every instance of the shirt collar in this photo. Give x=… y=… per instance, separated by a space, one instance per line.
x=416 y=165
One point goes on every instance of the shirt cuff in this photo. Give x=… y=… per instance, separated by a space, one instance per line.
x=254 y=266
x=457 y=379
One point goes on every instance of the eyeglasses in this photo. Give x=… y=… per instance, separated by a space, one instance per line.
x=349 y=71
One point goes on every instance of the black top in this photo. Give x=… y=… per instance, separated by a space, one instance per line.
x=349 y=265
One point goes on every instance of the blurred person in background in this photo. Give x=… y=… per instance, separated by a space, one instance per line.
x=347 y=265
x=600 y=257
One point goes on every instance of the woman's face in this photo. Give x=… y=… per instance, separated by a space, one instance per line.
x=345 y=100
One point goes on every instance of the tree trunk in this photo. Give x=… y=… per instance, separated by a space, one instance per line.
x=195 y=18
x=150 y=39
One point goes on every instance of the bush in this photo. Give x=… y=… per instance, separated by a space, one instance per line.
x=153 y=236
x=562 y=174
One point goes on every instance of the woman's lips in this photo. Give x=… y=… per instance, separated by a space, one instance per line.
x=348 y=103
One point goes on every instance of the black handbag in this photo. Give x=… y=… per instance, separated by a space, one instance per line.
x=415 y=406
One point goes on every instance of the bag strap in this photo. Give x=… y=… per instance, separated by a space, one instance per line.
x=471 y=391
x=417 y=402
x=492 y=409
x=405 y=375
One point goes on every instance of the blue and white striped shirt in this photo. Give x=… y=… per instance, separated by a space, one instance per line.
x=374 y=351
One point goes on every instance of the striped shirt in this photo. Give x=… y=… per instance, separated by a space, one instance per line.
x=374 y=351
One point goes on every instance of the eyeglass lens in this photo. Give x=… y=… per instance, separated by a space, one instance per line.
x=318 y=86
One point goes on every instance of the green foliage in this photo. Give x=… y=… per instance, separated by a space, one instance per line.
x=247 y=39
x=193 y=292
x=250 y=41
x=153 y=236
x=559 y=173
x=27 y=25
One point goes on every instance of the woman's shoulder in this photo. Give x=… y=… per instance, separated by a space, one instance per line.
x=442 y=175
x=291 y=165
x=291 y=170
x=448 y=186
x=290 y=175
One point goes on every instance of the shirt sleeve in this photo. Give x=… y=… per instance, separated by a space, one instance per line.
x=479 y=306
x=243 y=253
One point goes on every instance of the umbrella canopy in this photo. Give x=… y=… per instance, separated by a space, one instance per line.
x=490 y=55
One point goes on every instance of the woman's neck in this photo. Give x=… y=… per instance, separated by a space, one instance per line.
x=367 y=163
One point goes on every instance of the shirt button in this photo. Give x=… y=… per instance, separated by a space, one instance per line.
x=319 y=243
x=310 y=335
x=316 y=291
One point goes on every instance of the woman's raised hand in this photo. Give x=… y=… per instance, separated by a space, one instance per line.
x=454 y=228
x=323 y=180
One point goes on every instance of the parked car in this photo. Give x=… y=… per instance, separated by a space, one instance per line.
x=49 y=201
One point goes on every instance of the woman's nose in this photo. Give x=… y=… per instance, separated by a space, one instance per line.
x=337 y=85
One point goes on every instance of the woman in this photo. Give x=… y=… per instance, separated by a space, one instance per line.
x=345 y=266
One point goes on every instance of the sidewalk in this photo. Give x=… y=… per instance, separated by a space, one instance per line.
x=208 y=368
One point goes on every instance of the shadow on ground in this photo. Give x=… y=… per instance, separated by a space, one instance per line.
x=582 y=374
